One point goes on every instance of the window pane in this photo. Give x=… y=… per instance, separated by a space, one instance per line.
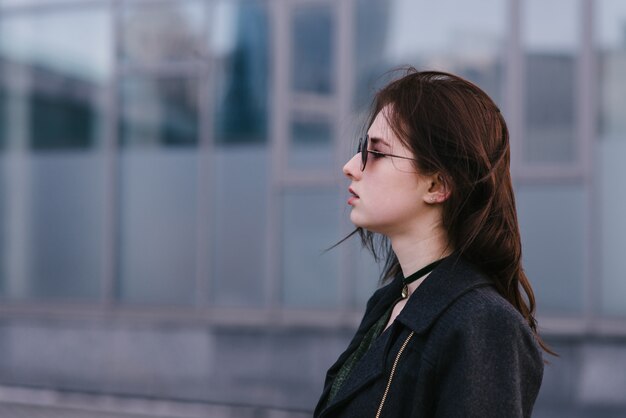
x=159 y=112
x=551 y=54
x=55 y=68
x=158 y=225
x=310 y=225
x=311 y=144
x=552 y=221
x=239 y=46
x=52 y=224
x=313 y=63
x=609 y=171
x=162 y=32
x=158 y=190
x=610 y=180
x=240 y=233
x=445 y=35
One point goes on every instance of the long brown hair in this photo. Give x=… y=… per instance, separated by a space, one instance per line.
x=455 y=130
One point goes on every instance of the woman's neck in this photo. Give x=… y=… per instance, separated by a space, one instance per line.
x=416 y=250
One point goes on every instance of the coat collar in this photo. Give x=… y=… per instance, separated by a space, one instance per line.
x=451 y=279
x=446 y=283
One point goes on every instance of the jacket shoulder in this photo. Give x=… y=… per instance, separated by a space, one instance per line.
x=484 y=306
x=485 y=324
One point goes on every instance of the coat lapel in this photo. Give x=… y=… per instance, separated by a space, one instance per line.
x=372 y=364
x=369 y=368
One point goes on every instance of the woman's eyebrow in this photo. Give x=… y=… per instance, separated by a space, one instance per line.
x=375 y=140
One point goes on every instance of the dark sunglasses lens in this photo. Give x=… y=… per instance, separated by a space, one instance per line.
x=363 y=151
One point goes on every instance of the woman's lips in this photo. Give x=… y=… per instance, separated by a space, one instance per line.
x=354 y=197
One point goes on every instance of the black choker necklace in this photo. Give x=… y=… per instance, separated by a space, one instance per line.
x=418 y=275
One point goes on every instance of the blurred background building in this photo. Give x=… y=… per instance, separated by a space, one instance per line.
x=170 y=174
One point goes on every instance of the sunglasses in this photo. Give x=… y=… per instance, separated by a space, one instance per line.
x=377 y=154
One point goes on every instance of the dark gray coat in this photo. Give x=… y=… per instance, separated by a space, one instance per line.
x=471 y=354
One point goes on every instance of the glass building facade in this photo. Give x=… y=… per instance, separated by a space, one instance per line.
x=170 y=177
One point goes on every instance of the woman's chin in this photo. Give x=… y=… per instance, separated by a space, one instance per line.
x=359 y=222
x=356 y=219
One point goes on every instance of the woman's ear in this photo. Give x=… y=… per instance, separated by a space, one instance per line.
x=439 y=190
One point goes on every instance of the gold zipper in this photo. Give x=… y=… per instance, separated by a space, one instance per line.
x=393 y=371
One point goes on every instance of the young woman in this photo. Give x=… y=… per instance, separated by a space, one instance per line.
x=452 y=333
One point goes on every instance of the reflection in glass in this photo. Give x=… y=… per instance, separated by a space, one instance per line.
x=313 y=63
x=444 y=35
x=161 y=111
x=310 y=225
x=551 y=72
x=240 y=48
x=554 y=217
x=162 y=32
x=63 y=117
x=311 y=145
x=54 y=74
x=74 y=43
x=611 y=149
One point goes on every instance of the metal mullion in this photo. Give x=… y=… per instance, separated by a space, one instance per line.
x=345 y=69
x=112 y=176
x=204 y=249
x=316 y=103
x=586 y=117
x=281 y=41
x=514 y=97
x=165 y=69
x=18 y=81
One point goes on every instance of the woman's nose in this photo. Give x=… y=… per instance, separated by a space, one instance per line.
x=352 y=168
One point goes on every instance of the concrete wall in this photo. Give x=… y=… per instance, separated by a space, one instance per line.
x=273 y=368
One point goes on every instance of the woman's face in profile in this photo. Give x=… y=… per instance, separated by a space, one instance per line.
x=389 y=196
